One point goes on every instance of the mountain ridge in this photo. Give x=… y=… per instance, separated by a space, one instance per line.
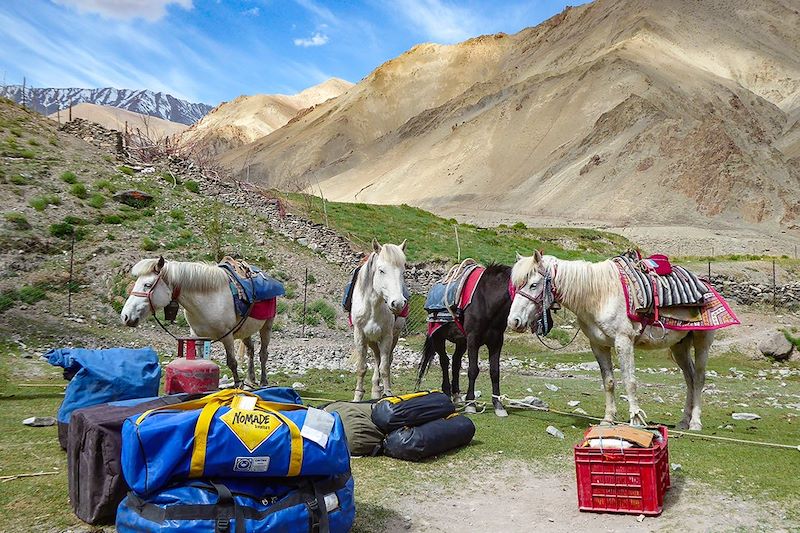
x=143 y=101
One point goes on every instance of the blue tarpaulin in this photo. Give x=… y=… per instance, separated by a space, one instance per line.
x=104 y=376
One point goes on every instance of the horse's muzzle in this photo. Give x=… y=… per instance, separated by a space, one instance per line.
x=516 y=325
x=130 y=321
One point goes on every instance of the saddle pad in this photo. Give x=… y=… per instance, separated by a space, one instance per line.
x=437 y=300
x=679 y=288
x=249 y=285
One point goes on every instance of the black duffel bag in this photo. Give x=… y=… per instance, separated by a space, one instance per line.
x=94 y=472
x=395 y=412
x=420 y=442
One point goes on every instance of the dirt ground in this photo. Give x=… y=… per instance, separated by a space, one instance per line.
x=513 y=497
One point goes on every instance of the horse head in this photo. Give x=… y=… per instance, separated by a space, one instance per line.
x=388 y=270
x=151 y=291
x=529 y=277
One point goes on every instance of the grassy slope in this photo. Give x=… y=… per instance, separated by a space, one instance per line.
x=433 y=238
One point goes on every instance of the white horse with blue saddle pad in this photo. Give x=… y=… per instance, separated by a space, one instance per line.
x=205 y=292
x=378 y=304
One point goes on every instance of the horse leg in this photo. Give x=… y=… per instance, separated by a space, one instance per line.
x=603 y=356
x=702 y=344
x=495 y=346
x=251 y=370
x=680 y=352
x=263 y=351
x=386 y=349
x=472 y=349
x=360 y=355
x=376 y=373
x=624 y=346
x=458 y=354
x=444 y=362
x=230 y=359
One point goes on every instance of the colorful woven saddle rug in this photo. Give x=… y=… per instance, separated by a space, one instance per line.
x=684 y=301
x=253 y=291
x=454 y=292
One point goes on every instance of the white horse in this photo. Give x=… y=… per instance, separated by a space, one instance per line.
x=203 y=291
x=594 y=293
x=378 y=299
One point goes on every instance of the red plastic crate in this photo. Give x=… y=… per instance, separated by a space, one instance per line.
x=628 y=480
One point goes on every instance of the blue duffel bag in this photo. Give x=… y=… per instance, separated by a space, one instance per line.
x=323 y=505
x=231 y=433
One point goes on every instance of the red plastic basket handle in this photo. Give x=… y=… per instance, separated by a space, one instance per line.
x=613 y=456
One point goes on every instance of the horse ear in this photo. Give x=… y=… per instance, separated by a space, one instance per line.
x=518 y=256
x=403 y=245
x=160 y=264
x=376 y=246
x=537 y=256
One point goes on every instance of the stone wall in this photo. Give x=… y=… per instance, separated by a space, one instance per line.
x=97 y=135
x=745 y=293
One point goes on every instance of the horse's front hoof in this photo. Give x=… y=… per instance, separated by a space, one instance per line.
x=683 y=425
x=358 y=396
x=501 y=412
x=638 y=419
x=470 y=408
x=457 y=398
x=607 y=422
x=695 y=426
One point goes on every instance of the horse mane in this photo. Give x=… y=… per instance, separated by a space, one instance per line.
x=201 y=277
x=584 y=286
x=393 y=254
x=493 y=269
x=581 y=285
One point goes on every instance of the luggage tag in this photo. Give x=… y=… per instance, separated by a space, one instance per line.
x=245 y=403
x=317 y=426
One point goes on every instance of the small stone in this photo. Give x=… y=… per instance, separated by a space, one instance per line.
x=745 y=416
x=579 y=411
x=675 y=466
x=573 y=403
x=551 y=387
x=776 y=347
x=298 y=386
x=658 y=399
x=640 y=518
x=555 y=432
x=535 y=402
x=40 y=421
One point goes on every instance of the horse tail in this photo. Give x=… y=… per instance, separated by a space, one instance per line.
x=428 y=351
x=355 y=355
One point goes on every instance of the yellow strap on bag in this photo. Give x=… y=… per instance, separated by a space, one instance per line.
x=404 y=397
x=211 y=403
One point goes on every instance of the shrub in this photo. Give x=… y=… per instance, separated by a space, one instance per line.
x=41 y=202
x=69 y=177
x=192 y=186
x=323 y=310
x=519 y=225
x=61 y=230
x=177 y=214
x=127 y=170
x=17 y=220
x=282 y=306
x=7 y=299
x=97 y=201
x=149 y=244
x=79 y=190
x=105 y=184
x=75 y=221
x=53 y=141
x=18 y=179
x=33 y=142
x=311 y=278
x=27 y=154
x=30 y=294
x=112 y=219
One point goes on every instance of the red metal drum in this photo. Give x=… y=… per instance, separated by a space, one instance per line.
x=189 y=374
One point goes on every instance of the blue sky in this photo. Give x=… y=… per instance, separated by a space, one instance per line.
x=214 y=50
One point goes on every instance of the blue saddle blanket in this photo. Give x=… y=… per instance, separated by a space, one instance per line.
x=249 y=284
x=437 y=301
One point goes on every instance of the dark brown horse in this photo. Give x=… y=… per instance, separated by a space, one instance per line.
x=484 y=323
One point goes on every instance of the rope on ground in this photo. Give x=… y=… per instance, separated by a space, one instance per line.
x=4 y=479
x=521 y=404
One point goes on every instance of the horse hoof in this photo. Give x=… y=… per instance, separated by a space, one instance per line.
x=501 y=412
x=606 y=422
x=457 y=398
x=470 y=409
x=683 y=425
x=697 y=426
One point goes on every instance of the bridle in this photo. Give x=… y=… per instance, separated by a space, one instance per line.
x=176 y=293
x=545 y=291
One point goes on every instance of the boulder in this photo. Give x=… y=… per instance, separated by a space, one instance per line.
x=134 y=198
x=776 y=347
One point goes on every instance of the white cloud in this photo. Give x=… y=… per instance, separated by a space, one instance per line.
x=439 y=21
x=317 y=39
x=319 y=11
x=150 y=10
x=253 y=11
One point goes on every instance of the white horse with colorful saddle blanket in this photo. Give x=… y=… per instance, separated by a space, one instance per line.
x=377 y=313
x=601 y=296
x=205 y=292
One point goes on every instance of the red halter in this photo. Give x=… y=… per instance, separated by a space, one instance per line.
x=176 y=292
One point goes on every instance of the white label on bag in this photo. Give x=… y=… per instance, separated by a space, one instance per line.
x=251 y=464
x=317 y=426
x=331 y=501
x=246 y=403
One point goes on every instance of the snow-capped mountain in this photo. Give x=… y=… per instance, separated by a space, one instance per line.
x=146 y=102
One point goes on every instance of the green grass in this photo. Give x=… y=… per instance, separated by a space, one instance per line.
x=128 y=171
x=40 y=203
x=177 y=214
x=112 y=219
x=433 y=238
x=19 y=179
x=17 y=220
x=69 y=177
x=105 y=184
x=79 y=191
x=149 y=244
x=192 y=186
x=97 y=201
